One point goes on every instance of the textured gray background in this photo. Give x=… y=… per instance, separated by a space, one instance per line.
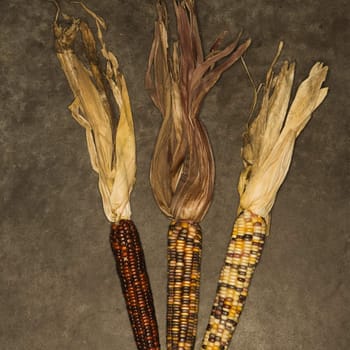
x=58 y=284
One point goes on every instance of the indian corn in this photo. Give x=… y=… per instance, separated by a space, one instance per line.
x=97 y=90
x=182 y=168
x=243 y=254
x=184 y=261
x=131 y=268
x=267 y=151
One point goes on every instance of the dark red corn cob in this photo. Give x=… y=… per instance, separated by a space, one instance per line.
x=184 y=262
x=131 y=268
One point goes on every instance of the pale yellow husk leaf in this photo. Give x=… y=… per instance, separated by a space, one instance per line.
x=111 y=142
x=270 y=138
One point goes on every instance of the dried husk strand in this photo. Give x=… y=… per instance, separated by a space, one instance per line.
x=182 y=168
x=267 y=151
x=98 y=91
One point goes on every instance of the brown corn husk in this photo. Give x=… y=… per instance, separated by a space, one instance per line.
x=267 y=151
x=182 y=169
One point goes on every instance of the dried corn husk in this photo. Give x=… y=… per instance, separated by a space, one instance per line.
x=182 y=169
x=96 y=90
x=270 y=138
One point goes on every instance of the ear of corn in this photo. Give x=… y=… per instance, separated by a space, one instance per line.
x=267 y=152
x=182 y=168
x=243 y=255
x=184 y=261
x=131 y=267
x=97 y=90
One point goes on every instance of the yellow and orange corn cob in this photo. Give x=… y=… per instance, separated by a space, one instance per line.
x=131 y=267
x=184 y=261
x=243 y=254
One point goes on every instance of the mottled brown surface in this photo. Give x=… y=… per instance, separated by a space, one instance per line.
x=58 y=281
x=132 y=271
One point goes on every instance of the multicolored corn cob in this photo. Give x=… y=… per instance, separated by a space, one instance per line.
x=182 y=169
x=98 y=89
x=184 y=262
x=243 y=255
x=131 y=267
x=267 y=152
